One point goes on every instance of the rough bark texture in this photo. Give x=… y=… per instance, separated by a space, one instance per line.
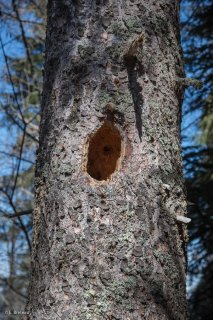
x=110 y=249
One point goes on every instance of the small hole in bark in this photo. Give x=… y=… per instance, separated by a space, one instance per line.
x=104 y=152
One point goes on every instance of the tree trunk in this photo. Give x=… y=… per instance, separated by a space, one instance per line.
x=106 y=242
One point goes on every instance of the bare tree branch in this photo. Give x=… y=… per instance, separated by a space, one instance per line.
x=15 y=156
x=19 y=162
x=18 y=214
x=15 y=8
x=5 y=280
x=18 y=124
x=11 y=81
x=22 y=20
x=18 y=217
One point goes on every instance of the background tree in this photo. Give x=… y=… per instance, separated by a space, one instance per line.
x=198 y=155
x=22 y=24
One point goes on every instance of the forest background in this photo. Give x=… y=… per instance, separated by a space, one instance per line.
x=22 y=25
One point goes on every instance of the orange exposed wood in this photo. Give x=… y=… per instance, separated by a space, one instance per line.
x=104 y=151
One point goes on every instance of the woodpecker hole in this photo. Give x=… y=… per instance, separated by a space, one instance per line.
x=104 y=152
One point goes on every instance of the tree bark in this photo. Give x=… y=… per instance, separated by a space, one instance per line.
x=106 y=241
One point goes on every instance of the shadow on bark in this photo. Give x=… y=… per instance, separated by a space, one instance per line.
x=164 y=287
x=135 y=69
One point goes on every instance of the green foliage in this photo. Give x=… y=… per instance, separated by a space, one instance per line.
x=198 y=160
x=206 y=123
